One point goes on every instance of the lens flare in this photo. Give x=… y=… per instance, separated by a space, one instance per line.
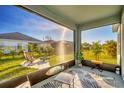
x=61 y=50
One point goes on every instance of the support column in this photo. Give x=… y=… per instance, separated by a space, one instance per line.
x=122 y=44
x=118 y=45
x=77 y=44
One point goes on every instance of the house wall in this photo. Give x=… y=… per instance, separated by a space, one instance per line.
x=118 y=45
x=5 y=43
x=122 y=45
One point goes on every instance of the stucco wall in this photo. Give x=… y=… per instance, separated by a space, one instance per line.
x=6 y=42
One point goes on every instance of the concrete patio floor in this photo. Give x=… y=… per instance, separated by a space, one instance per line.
x=119 y=83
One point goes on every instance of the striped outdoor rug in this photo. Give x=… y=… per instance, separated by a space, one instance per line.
x=51 y=84
x=86 y=80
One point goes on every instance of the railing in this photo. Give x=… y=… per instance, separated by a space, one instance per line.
x=37 y=76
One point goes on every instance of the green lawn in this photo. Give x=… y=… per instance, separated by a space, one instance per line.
x=10 y=67
x=60 y=59
x=103 y=57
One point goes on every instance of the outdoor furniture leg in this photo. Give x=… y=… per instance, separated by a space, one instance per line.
x=61 y=68
x=61 y=85
x=94 y=67
x=99 y=68
x=73 y=83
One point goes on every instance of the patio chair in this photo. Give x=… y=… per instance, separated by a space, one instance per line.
x=29 y=58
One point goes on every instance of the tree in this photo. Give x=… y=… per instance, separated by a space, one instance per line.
x=19 y=48
x=111 y=47
x=97 y=49
x=85 y=46
x=13 y=53
x=1 y=52
x=40 y=50
x=47 y=50
x=50 y=50
x=30 y=47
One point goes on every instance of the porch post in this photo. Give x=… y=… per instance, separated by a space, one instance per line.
x=77 y=43
x=122 y=44
x=118 y=45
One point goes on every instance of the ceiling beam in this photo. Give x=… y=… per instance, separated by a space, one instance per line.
x=99 y=23
x=44 y=12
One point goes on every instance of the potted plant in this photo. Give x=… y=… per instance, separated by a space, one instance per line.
x=79 y=57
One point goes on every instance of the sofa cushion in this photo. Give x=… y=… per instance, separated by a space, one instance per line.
x=109 y=67
x=87 y=63
x=104 y=66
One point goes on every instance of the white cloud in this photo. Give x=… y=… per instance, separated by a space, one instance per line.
x=42 y=25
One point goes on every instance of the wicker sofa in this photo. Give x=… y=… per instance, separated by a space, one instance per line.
x=104 y=66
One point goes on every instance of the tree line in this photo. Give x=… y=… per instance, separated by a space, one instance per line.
x=40 y=49
x=109 y=47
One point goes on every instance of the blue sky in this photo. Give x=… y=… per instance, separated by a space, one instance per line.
x=99 y=34
x=14 y=19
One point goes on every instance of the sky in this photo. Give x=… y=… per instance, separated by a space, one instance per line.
x=101 y=34
x=14 y=19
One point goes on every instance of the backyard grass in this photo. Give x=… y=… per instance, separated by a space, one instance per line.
x=60 y=59
x=10 y=67
x=103 y=57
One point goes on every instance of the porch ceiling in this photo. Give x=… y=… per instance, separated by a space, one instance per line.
x=81 y=16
